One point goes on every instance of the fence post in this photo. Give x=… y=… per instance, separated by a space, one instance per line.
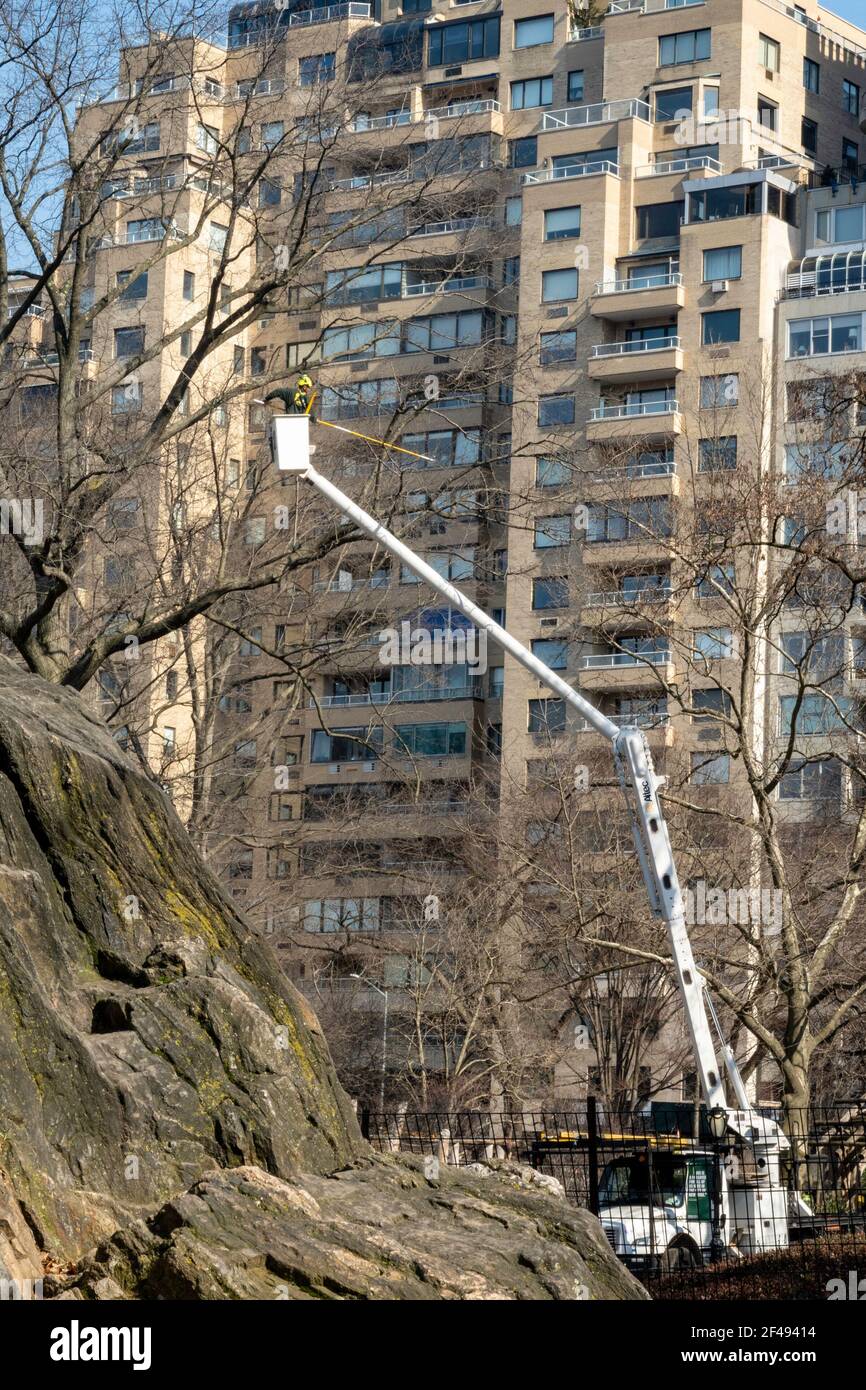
x=365 y=1123
x=592 y=1152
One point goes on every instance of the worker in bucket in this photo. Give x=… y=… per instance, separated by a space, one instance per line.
x=296 y=402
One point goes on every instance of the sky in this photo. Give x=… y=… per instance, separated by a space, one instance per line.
x=855 y=10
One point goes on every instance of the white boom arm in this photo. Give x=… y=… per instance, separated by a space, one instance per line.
x=290 y=447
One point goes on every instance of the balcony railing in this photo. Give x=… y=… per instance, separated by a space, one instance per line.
x=635 y=410
x=641 y=345
x=572 y=171
x=678 y=166
x=582 y=35
x=613 y=598
x=373 y=180
x=456 y=224
x=33 y=311
x=261 y=87
x=362 y=124
x=648 y=720
x=399 y=697
x=458 y=285
x=611 y=660
x=52 y=359
x=664 y=469
x=597 y=113
x=808 y=284
x=649 y=282
x=480 y=107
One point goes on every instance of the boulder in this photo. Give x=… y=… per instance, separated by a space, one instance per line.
x=167 y=1100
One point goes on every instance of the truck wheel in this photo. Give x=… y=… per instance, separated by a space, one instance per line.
x=680 y=1257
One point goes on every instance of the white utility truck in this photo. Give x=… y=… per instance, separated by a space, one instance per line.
x=674 y=1205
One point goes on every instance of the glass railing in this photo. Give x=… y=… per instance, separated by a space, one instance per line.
x=597 y=113
x=644 y=282
x=659 y=344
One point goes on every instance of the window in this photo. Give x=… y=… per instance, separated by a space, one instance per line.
x=344 y=914
x=560 y=223
x=720 y=326
x=523 y=153
x=317 y=68
x=345 y=745
x=711 y=101
x=217 y=235
x=715 y=644
x=270 y=193
x=811 y=75
x=553 y=651
x=463 y=42
x=809 y=135
x=132 y=139
x=531 y=91
x=207 y=139
x=711 y=702
x=123 y=513
x=128 y=342
x=188 y=285
x=850 y=97
x=850 y=156
x=840 y=224
x=720 y=391
x=810 y=399
x=272 y=133
x=364 y=340
x=546 y=716
x=718 y=582
x=710 y=769
x=715 y=455
x=550 y=593
x=244 y=140
x=513 y=212
x=556 y=410
x=552 y=532
x=675 y=104
x=145 y=229
x=126 y=399
x=642 y=519
x=241 y=864
x=812 y=781
x=431 y=740
x=365 y=284
x=821 y=460
x=769 y=53
x=829 y=334
x=814 y=712
x=447 y=447
x=530 y=32
x=717 y=204
x=551 y=472
x=575 y=86
x=558 y=347
x=691 y=46
x=768 y=114
x=129 y=288
x=723 y=263
x=558 y=285
x=659 y=220
x=441 y=332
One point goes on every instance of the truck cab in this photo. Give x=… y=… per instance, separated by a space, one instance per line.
x=656 y=1206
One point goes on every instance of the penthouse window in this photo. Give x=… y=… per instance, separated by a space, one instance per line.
x=463 y=42
x=691 y=46
x=390 y=48
x=659 y=220
x=840 y=225
x=674 y=104
x=364 y=284
x=529 y=33
x=317 y=68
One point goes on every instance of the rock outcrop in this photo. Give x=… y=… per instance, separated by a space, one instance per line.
x=167 y=1097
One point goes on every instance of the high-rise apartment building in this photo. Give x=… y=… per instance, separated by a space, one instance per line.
x=585 y=272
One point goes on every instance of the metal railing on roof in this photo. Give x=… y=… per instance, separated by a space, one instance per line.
x=571 y=171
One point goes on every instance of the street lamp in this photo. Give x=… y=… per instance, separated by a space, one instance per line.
x=384 y=994
x=717 y=1118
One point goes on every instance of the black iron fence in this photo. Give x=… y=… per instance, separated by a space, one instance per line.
x=693 y=1215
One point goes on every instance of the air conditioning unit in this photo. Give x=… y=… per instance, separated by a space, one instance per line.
x=549 y=622
x=720 y=286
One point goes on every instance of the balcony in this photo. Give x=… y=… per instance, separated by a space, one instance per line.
x=52 y=359
x=646 y=297
x=620 y=598
x=658 y=722
x=687 y=165
x=449 y=228
x=585 y=35
x=482 y=107
x=398 y=697
x=460 y=284
x=571 y=171
x=597 y=672
x=597 y=113
x=647 y=359
x=651 y=420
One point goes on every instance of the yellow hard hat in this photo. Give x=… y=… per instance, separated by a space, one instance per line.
x=304 y=380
